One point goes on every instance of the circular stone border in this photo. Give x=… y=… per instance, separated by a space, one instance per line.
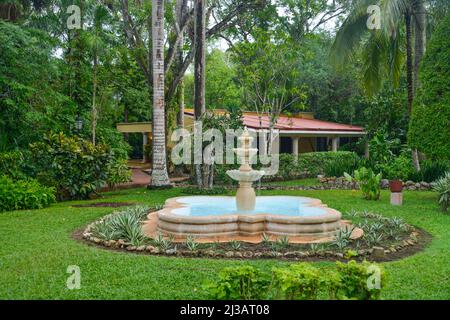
x=417 y=240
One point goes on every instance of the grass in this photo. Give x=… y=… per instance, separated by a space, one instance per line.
x=36 y=248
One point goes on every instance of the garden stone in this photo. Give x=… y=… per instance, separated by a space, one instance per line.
x=150 y=248
x=248 y=254
x=131 y=248
x=238 y=254
x=378 y=253
x=229 y=254
x=140 y=248
x=171 y=251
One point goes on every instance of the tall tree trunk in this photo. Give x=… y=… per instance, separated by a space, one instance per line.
x=420 y=38
x=181 y=11
x=126 y=115
x=94 y=96
x=409 y=78
x=199 y=73
x=160 y=176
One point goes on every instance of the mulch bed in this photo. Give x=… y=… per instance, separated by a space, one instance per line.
x=423 y=239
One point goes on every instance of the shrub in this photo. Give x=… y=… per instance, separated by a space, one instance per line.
x=360 y=281
x=239 y=283
x=340 y=166
x=368 y=181
x=314 y=163
x=299 y=281
x=442 y=187
x=126 y=225
x=11 y=164
x=430 y=120
x=400 y=168
x=74 y=166
x=24 y=194
x=431 y=170
x=118 y=172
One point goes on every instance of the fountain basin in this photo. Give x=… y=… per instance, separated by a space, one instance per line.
x=208 y=216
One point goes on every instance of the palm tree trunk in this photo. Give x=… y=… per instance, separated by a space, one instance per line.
x=419 y=50
x=160 y=176
x=409 y=78
x=181 y=11
x=94 y=96
x=199 y=74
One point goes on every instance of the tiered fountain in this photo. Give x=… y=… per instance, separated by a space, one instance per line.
x=246 y=216
x=245 y=195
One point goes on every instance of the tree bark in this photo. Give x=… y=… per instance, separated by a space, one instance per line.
x=199 y=60
x=160 y=176
x=181 y=12
x=199 y=78
x=420 y=38
x=409 y=78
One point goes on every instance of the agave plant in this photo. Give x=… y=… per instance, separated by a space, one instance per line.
x=235 y=245
x=442 y=187
x=191 y=244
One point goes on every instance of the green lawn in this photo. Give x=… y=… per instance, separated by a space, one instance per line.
x=36 y=248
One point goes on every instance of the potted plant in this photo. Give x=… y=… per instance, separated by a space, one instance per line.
x=400 y=169
x=396 y=185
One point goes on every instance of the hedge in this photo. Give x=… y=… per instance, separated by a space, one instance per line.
x=429 y=129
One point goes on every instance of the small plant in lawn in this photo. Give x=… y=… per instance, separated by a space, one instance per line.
x=191 y=244
x=368 y=181
x=442 y=187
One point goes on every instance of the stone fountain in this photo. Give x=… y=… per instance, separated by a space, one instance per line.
x=245 y=196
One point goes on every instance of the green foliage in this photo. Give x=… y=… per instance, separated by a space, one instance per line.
x=341 y=165
x=431 y=170
x=31 y=101
x=355 y=280
x=382 y=148
x=300 y=281
x=442 y=187
x=239 y=283
x=118 y=172
x=368 y=181
x=74 y=166
x=191 y=243
x=296 y=282
x=312 y=164
x=24 y=194
x=430 y=120
x=400 y=167
x=11 y=164
x=125 y=225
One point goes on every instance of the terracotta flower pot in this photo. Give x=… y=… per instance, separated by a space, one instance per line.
x=396 y=185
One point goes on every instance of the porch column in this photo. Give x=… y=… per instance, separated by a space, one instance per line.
x=295 y=146
x=334 y=143
x=144 y=143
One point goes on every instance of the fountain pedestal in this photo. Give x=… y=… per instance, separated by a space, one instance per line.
x=245 y=197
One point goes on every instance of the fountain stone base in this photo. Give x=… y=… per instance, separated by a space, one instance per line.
x=245 y=197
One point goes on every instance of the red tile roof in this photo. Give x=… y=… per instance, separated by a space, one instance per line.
x=297 y=124
x=294 y=123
